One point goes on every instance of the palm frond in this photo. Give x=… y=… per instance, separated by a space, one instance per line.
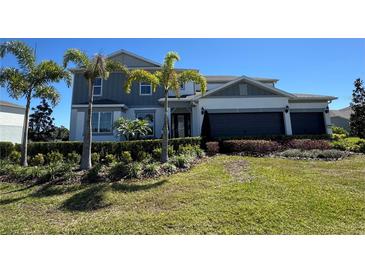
x=49 y=71
x=47 y=92
x=77 y=57
x=23 y=53
x=114 y=66
x=170 y=59
x=140 y=75
x=193 y=76
x=14 y=81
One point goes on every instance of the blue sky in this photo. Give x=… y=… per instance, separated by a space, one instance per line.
x=318 y=66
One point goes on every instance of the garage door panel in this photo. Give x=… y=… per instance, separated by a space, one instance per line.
x=307 y=123
x=246 y=124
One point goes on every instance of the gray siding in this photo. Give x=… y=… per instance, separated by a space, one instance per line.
x=234 y=90
x=131 y=61
x=113 y=91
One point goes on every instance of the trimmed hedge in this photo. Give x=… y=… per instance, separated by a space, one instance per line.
x=268 y=146
x=279 y=138
x=251 y=146
x=114 y=148
x=5 y=149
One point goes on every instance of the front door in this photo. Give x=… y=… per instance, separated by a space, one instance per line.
x=181 y=125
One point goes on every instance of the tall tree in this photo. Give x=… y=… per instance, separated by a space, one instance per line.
x=41 y=126
x=30 y=80
x=169 y=79
x=357 y=118
x=61 y=134
x=92 y=68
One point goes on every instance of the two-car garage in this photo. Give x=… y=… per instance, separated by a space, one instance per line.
x=220 y=125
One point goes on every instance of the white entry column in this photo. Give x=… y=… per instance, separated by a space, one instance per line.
x=287 y=123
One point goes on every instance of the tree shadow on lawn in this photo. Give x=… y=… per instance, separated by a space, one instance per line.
x=49 y=190
x=11 y=200
x=130 y=187
x=92 y=198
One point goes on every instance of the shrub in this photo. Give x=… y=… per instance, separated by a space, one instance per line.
x=152 y=169
x=339 y=130
x=330 y=154
x=37 y=160
x=104 y=148
x=194 y=151
x=126 y=157
x=141 y=156
x=156 y=153
x=54 y=157
x=307 y=144
x=95 y=158
x=336 y=136
x=109 y=159
x=212 y=148
x=14 y=156
x=5 y=149
x=122 y=170
x=182 y=161
x=354 y=144
x=73 y=158
x=168 y=167
x=251 y=146
x=92 y=175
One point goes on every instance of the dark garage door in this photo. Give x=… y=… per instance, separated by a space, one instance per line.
x=245 y=124
x=304 y=123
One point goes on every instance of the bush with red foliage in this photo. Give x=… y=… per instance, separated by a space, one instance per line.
x=307 y=144
x=212 y=148
x=251 y=146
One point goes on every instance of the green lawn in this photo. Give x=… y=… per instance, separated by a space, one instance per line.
x=222 y=195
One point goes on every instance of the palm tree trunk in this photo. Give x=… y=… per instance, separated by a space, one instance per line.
x=24 y=149
x=86 y=147
x=165 y=137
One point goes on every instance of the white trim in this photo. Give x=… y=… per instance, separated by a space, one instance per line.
x=140 y=87
x=249 y=81
x=101 y=87
x=122 y=51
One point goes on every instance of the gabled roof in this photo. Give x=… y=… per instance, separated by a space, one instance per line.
x=249 y=81
x=307 y=96
x=228 y=78
x=123 y=51
x=8 y=104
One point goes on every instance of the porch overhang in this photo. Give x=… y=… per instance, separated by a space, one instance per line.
x=185 y=102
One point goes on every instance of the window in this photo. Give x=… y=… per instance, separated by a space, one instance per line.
x=243 y=89
x=145 y=88
x=101 y=122
x=97 y=86
x=150 y=117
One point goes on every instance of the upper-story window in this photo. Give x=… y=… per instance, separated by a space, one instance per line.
x=102 y=122
x=145 y=88
x=97 y=86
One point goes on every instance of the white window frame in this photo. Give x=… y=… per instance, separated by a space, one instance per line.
x=140 y=88
x=99 y=115
x=137 y=112
x=101 y=87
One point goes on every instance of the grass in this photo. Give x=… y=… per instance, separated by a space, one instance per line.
x=223 y=195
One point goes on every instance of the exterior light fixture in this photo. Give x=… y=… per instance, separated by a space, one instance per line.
x=326 y=110
x=202 y=111
x=286 y=109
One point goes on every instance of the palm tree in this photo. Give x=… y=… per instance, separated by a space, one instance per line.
x=92 y=68
x=169 y=79
x=30 y=80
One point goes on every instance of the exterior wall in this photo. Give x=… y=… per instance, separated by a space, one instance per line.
x=78 y=116
x=11 y=124
x=234 y=90
x=130 y=61
x=188 y=90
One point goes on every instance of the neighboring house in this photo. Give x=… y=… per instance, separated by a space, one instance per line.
x=341 y=117
x=11 y=122
x=232 y=106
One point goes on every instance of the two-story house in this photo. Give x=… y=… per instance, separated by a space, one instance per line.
x=232 y=106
